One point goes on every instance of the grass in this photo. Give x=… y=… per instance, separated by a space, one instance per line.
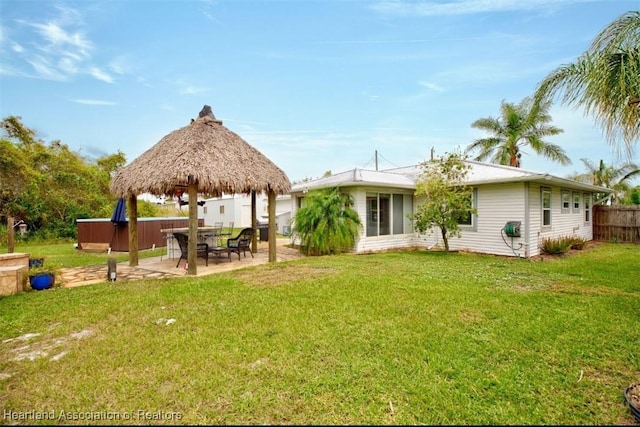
x=394 y=338
x=65 y=255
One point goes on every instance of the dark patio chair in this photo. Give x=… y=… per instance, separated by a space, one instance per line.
x=242 y=242
x=202 y=249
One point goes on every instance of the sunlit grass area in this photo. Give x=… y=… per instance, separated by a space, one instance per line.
x=65 y=255
x=410 y=337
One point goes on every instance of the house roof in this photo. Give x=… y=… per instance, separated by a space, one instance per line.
x=406 y=177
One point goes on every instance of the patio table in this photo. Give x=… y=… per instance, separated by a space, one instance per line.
x=206 y=234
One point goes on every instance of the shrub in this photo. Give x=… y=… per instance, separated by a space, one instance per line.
x=555 y=245
x=577 y=242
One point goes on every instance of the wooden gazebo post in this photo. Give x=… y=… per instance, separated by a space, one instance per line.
x=271 y=201
x=192 y=268
x=254 y=223
x=133 y=230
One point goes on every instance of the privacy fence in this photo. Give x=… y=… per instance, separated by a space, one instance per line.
x=616 y=223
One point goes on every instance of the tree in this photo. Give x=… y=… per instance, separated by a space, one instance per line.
x=326 y=224
x=48 y=186
x=615 y=178
x=448 y=199
x=605 y=81
x=519 y=125
x=634 y=195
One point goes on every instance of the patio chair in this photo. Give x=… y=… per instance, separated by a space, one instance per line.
x=168 y=237
x=202 y=249
x=226 y=233
x=242 y=242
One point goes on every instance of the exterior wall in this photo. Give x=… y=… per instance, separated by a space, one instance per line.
x=237 y=208
x=496 y=205
x=376 y=243
x=521 y=201
x=563 y=223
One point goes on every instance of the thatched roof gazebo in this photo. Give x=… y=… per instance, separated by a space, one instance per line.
x=203 y=157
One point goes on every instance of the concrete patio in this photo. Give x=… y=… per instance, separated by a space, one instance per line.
x=163 y=267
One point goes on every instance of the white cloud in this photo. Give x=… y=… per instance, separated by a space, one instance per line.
x=431 y=86
x=193 y=90
x=100 y=75
x=61 y=39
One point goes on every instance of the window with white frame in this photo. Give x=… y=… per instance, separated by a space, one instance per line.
x=221 y=209
x=545 y=204
x=576 y=202
x=469 y=219
x=388 y=214
x=565 y=200
x=587 y=208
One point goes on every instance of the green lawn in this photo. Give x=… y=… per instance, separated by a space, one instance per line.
x=63 y=255
x=395 y=338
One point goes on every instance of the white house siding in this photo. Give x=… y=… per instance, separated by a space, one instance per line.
x=496 y=205
x=236 y=208
x=563 y=224
x=389 y=241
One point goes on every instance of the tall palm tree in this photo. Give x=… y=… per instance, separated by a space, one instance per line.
x=615 y=178
x=519 y=125
x=605 y=81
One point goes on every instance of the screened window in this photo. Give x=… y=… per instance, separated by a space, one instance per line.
x=387 y=214
x=576 y=202
x=587 y=207
x=545 y=195
x=565 y=198
x=222 y=209
x=468 y=218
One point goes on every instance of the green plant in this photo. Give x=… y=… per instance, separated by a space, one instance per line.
x=555 y=245
x=396 y=338
x=326 y=224
x=447 y=200
x=519 y=126
x=577 y=242
x=44 y=271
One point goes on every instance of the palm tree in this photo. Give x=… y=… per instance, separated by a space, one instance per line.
x=518 y=126
x=605 y=80
x=327 y=224
x=611 y=177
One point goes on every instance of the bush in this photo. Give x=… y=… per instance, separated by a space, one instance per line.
x=556 y=246
x=577 y=242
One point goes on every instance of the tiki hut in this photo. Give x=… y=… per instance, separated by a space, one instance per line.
x=203 y=157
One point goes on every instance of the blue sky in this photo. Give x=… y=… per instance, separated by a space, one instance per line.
x=314 y=85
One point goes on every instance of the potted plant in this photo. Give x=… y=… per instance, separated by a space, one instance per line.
x=36 y=261
x=42 y=277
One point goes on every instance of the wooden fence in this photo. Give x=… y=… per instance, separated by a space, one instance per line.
x=616 y=223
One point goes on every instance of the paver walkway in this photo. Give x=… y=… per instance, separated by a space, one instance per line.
x=163 y=267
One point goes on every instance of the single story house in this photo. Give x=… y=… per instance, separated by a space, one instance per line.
x=516 y=208
x=236 y=208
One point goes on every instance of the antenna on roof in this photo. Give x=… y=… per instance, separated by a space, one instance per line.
x=376 y=159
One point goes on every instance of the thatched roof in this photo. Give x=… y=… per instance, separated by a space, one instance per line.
x=209 y=154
